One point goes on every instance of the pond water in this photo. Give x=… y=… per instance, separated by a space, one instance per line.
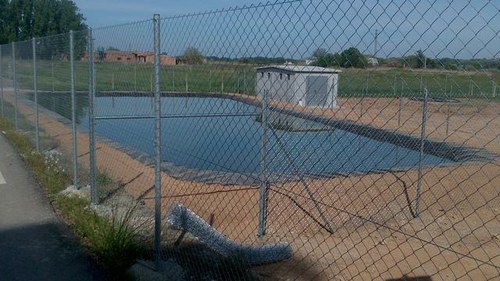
x=223 y=135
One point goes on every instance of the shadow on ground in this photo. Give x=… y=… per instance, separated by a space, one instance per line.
x=44 y=251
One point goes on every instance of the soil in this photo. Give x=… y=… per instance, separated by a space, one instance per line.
x=373 y=233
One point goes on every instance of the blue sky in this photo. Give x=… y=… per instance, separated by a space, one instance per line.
x=445 y=28
x=109 y=12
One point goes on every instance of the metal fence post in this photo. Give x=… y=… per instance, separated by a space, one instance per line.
x=447 y=103
x=135 y=76
x=365 y=93
x=238 y=82
x=93 y=174
x=173 y=79
x=1 y=82
x=14 y=84
x=73 y=107
x=395 y=94
x=245 y=82
x=52 y=74
x=35 y=89
x=263 y=167
x=400 y=102
x=493 y=85
x=210 y=81
x=448 y=112
x=157 y=246
x=421 y=155
x=222 y=84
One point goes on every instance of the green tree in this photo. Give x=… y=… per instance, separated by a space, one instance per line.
x=325 y=59
x=192 y=56
x=320 y=57
x=419 y=59
x=25 y=19
x=352 y=57
x=3 y=22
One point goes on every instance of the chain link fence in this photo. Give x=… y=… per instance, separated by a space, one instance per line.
x=293 y=140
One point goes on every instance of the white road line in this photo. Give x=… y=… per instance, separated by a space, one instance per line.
x=2 y=179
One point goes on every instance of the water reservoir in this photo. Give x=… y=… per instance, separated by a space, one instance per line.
x=213 y=134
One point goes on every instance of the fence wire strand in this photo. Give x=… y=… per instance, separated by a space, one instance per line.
x=341 y=140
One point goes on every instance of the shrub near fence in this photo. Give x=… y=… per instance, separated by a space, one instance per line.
x=398 y=181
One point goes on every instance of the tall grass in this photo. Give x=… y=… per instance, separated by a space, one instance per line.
x=113 y=240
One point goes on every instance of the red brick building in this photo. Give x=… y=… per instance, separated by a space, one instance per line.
x=133 y=56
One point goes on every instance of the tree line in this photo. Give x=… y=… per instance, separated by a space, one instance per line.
x=24 y=19
x=352 y=57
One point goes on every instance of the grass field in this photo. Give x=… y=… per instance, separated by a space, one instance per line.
x=240 y=78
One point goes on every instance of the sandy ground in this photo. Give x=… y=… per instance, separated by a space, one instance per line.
x=374 y=234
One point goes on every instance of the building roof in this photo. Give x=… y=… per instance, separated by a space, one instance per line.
x=298 y=69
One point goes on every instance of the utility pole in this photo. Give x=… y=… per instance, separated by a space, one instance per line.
x=375 y=44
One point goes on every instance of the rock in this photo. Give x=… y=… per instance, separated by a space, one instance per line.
x=72 y=191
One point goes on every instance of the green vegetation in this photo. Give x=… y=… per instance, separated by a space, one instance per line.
x=240 y=78
x=192 y=56
x=103 y=179
x=410 y=83
x=50 y=177
x=25 y=19
x=113 y=241
x=351 y=57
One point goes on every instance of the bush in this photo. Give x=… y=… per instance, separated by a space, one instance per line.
x=114 y=240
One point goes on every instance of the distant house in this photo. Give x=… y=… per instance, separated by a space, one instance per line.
x=133 y=56
x=372 y=61
x=148 y=57
x=118 y=56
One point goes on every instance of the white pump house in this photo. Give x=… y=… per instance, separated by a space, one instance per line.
x=308 y=86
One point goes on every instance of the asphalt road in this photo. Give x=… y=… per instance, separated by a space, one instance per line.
x=34 y=243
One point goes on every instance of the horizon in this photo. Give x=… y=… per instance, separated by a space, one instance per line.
x=384 y=29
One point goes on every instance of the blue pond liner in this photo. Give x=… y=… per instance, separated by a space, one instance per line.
x=214 y=139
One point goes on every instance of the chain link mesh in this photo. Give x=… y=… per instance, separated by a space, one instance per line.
x=355 y=140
